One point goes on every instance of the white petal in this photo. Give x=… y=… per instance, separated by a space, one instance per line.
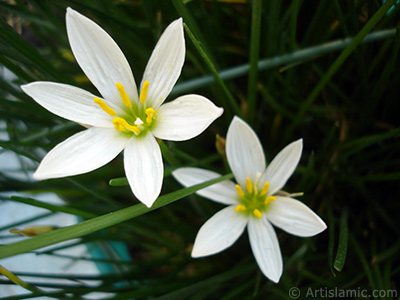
x=68 y=102
x=219 y=232
x=265 y=247
x=99 y=57
x=294 y=217
x=144 y=168
x=165 y=64
x=244 y=151
x=223 y=192
x=83 y=152
x=282 y=166
x=185 y=118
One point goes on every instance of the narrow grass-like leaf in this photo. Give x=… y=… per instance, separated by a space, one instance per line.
x=254 y=55
x=190 y=21
x=341 y=253
x=387 y=253
x=331 y=241
x=119 y=181
x=52 y=207
x=359 y=252
x=294 y=12
x=356 y=145
x=37 y=217
x=231 y=100
x=99 y=223
x=18 y=280
x=339 y=61
x=17 y=45
x=302 y=55
x=194 y=288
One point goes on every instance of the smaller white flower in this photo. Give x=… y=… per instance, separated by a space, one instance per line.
x=253 y=201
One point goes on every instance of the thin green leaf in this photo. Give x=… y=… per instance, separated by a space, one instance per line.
x=18 y=280
x=99 y=223
x=254 y=56
x=343 y=242
x=118 y=181
x=298 y=56
x=52 y=207
x=217 y=78
x=14 y=44
x=340 y=60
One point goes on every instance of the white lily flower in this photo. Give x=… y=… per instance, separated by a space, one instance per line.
x=121 y=119
x=253 y=201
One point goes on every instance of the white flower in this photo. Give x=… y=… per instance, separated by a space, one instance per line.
x=121 y=119
x=253 y=201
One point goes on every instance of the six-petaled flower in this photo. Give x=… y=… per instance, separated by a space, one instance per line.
x=254 y=201
x=122 y=118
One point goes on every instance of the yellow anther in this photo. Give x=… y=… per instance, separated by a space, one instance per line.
x=239 y=190
x=269 y=199
x=249 y=186
x=257 y=213
x=104 y=106
x=151 y=115
x=240 y=207
x=143 y=93
x=124 y=96
x=121 y=125
x=264 y=190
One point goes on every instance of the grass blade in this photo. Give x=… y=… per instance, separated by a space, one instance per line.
x=99 y=223
x=254 y=55
x=340 y=60
x=343 y=242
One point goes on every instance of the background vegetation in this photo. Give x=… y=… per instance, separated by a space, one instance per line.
x=292 y=69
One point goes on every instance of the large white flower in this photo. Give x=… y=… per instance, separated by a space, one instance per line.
x=253 y=201
x=121 y=119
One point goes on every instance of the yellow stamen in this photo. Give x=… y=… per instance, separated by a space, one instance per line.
x=124 y=95
x=121 y=125
x=269 y=199
x=249 y=186
x=264 y=190
x=240 y=207
x=151 y=115
x=143 y=94
x=239 y=190
x=257 y=213
x=104 y=106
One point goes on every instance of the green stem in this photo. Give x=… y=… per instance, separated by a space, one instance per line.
x=214 y=72
x=52 y=207
x=101 y=222
x=301 y=55
x=339 y=61
x=254 y=55
x=17 y=280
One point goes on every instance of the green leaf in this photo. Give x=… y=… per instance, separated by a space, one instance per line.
x=343 y=242
x=14 y=46
x=296 y=57
x=98 y=223
x=119 y=181
x=254 y=56
x=232 y=102
x=52 y=207
x=340 y=60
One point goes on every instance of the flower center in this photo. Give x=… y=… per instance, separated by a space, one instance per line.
x=137 y=118
x=252 y=201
